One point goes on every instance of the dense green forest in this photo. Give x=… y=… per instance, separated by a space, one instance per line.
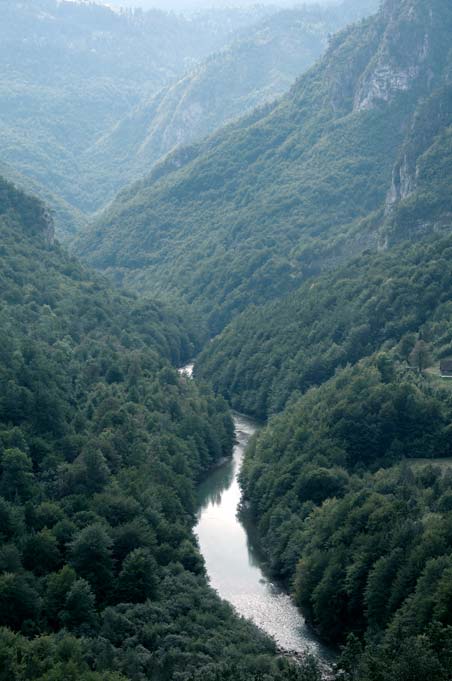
x=251 y=212
x=261 y=64
x=101 y=446
x=350 y=483
x=350 y=486
x=396 y=298
x=351 y=490
x=303 y=254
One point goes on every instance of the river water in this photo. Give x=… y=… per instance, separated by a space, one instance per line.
x=233 y=564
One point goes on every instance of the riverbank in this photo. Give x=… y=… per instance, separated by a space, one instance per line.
x=235 y=566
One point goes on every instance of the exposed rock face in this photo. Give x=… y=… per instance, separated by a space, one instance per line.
x=48 y=227
x=342 y=81
x=432 y=116
x=403 y=181
x=403 y=55
x=382 y=84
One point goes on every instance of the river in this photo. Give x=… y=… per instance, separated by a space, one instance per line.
x=233 y=564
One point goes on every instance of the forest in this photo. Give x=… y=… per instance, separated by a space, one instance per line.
x=91 y=98
x=101 y=447
x=297 y=187
x=351 y=489
x=391 y=301
x=280 y=217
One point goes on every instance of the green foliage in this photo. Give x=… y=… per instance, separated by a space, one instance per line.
x=90 y=556
x=17 y=475
x=260 y=65
x=364 y=543
x=130 y=86
x=380 y=557
x=102 y=443
x=71 y=72
x=101 y=446
x=356 y=422
x=19 y=600
x=265 y=203
x=41 y=553
x=377 y=301
x=138 y=577
x=79 y=614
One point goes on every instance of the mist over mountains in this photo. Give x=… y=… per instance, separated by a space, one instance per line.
x=196 y=5
x=299 y=186
x=209 y=217
x=91 y=99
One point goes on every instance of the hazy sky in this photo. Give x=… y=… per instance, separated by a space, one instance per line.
x=198 y=4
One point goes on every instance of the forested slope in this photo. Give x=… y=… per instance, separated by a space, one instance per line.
x=354 y=519
x=67 y=219
x=350 y=483
x=260 y=65
x=264 y=203
x=70 y=71
x=101 y=445
x=376 y=301
x=91 y=98
x=350 y=486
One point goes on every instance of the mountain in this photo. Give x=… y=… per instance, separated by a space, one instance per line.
x=330 y=170
x=102 y=445
x=67 y=219
x=273 y=352
x=70 y=71
x=314 y=237
x=349 y=485
x=257 y=68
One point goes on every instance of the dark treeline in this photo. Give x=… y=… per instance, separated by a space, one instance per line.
x=350 y=485
x=273 y=352
x=351 y=491
x=101 y=446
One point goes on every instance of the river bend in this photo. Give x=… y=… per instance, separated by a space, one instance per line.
x=233 y=564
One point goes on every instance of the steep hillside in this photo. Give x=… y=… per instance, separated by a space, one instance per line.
x=67 y=219
x=255 y=69
x=69 y=71
x=247 y=215
x=101 y=446
x=350 y=487
x=367 y=549
x=377 y=301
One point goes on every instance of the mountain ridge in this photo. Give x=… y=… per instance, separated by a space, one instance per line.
x=71 y=71
x=278 y=195
x=257 y=67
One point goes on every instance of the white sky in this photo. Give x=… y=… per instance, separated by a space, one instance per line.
x=202 y=4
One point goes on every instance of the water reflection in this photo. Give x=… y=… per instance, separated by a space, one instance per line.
x=233 y=561
x=210 y=492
